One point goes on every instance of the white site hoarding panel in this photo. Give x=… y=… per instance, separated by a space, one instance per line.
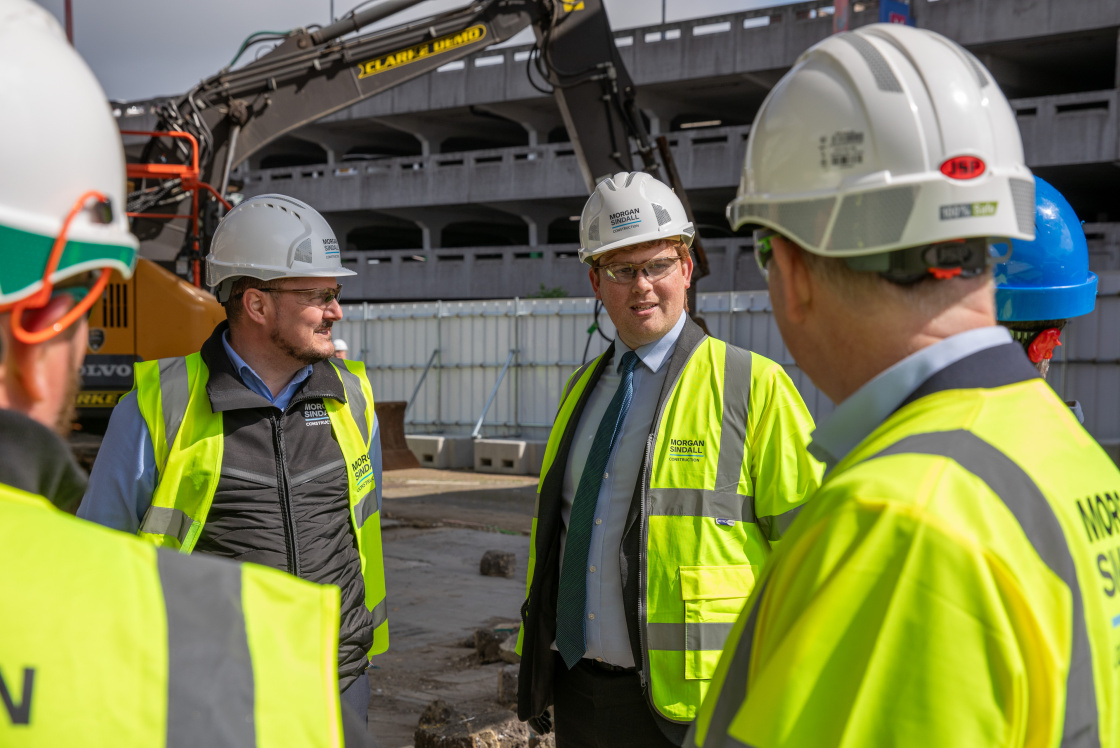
x=548 y=339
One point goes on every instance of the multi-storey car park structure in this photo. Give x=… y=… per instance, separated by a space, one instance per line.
x=461 y=184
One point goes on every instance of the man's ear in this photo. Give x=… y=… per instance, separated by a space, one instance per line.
x=30 y=365
x=687 y=267
x=593 y=274
x=791 y=275
x=255 y=304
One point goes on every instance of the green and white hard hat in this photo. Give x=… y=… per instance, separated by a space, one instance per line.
x=60 y=142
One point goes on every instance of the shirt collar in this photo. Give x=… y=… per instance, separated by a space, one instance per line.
x=655 y=354
x=863 y=412
x=255 y=383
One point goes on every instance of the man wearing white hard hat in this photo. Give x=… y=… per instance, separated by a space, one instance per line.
x=950 y=583
x=340 y=348
x=106 y=640
x=675 y=465
x=261 y=447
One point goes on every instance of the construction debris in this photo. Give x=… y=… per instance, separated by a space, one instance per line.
x=498 y=564
x=443 y=726
x=507 y=686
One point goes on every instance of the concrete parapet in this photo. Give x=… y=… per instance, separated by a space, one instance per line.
x=442 y=452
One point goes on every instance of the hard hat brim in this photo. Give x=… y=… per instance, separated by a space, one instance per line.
x=586 y=256
x=1029 y=304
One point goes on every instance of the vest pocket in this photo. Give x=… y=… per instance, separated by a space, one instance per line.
x=713 y=597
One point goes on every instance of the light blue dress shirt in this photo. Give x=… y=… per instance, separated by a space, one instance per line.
x=605 y=627
x=870 y=405
x=124 y=477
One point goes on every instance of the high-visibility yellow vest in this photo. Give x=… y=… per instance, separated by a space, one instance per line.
x=109 y=641
x=954 y=582
x=708 y=526
x=187 y=440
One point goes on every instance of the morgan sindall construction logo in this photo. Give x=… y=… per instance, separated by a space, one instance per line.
x=625 y=219
x=686 y=450
x=315 y=414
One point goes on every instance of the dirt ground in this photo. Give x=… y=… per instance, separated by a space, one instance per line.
x=436 y=525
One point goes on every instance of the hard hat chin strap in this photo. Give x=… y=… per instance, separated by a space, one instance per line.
x=965 y=258
x=42 y=297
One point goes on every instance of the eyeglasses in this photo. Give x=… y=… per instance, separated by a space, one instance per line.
x=763 y=251
x=320 y=297
x=626 y=272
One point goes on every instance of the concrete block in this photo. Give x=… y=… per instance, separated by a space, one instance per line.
x=535 y=450
x=507 y=685
x=442 y=452
x=509 y=456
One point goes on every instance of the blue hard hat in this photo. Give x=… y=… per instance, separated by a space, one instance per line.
x=1047 y=278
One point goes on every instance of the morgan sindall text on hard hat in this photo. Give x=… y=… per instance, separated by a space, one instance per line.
x=269 y=237
x=62 y=199
x=882 y=139
x=628 y=209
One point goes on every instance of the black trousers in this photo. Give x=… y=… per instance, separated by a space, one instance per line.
x=356 y=696
x=595 y=708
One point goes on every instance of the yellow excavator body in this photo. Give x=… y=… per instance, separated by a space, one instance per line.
x=154 y=314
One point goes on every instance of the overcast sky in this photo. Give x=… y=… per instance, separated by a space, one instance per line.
x=144 y=48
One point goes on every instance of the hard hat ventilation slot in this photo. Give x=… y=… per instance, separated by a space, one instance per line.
x=663 y=216
x=880 y=68
x=630 y=178
x=872 y=219
x=1022 y=195
x=593 y=231
x=303 y=251
x=610 y=184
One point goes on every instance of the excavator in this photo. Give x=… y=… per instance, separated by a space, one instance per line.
x=183 y=172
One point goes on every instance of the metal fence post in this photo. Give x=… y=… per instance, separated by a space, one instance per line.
x=439 y=369
x=516 y=364
x=493 y=393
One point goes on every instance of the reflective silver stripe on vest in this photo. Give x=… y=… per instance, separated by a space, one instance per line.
x=1034 y=514
x=733 y=429
x=734 y=691
x=697 y=502
x=688 y=637
x=782 y=522
x=354 y=398
x=210 y=671
x=309 y=475
x=365 y=508
x=160 y=520
x=380 y=613
x=174 y=394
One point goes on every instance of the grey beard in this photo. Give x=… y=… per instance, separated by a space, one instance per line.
x=306 y=356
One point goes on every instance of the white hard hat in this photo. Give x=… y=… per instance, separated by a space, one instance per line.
x=340 y=345
x=269 y=237
x=60 y=142
x=881 y=139
x=628 y=209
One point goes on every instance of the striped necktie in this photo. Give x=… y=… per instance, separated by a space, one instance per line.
x=571 y=599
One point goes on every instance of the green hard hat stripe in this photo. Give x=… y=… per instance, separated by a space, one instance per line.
x=23 y=257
